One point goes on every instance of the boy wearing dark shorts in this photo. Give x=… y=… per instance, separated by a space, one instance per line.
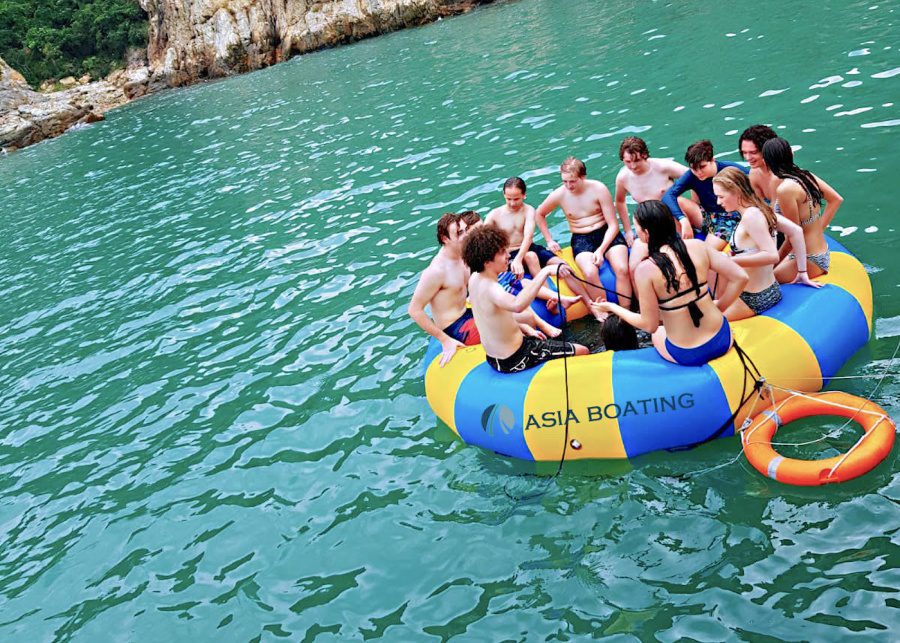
x=507 y=348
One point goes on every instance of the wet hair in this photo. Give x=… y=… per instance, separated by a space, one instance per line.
x=575 y=166
x=736 y=182
x=758 y=135
x=514 y=182
x=698 y=153
x=470 y=218
x=618 y=335
x=779 y=157
x=443 y=226
x=635 y=145
x=656 y=218
x=482 y=245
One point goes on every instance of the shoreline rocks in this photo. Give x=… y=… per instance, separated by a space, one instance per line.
x=195 y=40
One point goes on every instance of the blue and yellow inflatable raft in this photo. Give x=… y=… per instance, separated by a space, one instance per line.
x=623 y=404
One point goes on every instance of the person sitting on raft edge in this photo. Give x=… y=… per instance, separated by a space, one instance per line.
x=717 y=224
x=507 y=348
x=442 y=285
x=672 y=289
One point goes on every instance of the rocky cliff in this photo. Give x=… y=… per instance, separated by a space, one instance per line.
x=194 y=39
x=190 y=40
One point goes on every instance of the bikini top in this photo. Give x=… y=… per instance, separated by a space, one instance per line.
x=693 y=308
x=735 y=250
x=813 y=215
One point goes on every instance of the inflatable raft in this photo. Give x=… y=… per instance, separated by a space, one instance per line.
x=622 y=404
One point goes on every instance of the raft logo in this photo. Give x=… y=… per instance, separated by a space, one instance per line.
x=497 y=416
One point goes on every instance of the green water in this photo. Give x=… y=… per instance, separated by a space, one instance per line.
x=212 y=425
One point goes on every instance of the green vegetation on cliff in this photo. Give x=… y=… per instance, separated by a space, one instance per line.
x=51 y=39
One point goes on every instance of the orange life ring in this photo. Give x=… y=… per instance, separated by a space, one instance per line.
x=871 y=448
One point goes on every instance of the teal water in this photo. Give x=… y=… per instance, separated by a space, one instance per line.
x=212 y=425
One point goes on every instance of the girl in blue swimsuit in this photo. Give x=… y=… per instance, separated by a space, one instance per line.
x=672 y=291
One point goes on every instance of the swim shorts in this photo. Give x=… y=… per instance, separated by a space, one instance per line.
x=590 y=241
x=544 y=256
x=464 y=329
x=720 y=224
x=531 y=353
x=509 y=283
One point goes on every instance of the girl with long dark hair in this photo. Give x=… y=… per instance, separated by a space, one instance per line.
x=799 y=198
x=672 y=290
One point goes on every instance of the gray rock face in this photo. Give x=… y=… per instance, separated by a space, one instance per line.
x=27 y=116
x=195 y=39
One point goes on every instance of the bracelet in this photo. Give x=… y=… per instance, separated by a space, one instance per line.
x=802 y=271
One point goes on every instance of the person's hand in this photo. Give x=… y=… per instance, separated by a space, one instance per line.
x=561 y=269
x=450 y=346
x=602 y=306
x=803 y=279
x=554 y=247
x=687 y=232
x=516 y=268
x=598 y=258
x=629 y=238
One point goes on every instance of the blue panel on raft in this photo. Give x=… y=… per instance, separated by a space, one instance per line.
x=829 y=319
x=837 y=246
x=488 y=410
x=608 y=279
x=662 y=405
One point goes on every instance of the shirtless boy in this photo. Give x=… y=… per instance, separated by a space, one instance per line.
x=717 y=223
x=516 y=219
x=507 y=349
x=750 y=143
x=646 y=179
x=442 y=285
x=588 y=207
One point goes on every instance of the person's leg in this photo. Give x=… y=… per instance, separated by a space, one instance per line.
x=573 y=283
x=786 y=270
x=617 y=256
x=692 y=210
x=659 y=343
x=738 y=310
x=595 y=292
x=532 y=264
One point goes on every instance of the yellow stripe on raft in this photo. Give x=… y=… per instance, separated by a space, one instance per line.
x=793 y=366
x=439 y=380
x=545 y=401
x=848 y=273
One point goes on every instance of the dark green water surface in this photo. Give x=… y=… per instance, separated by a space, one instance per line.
x=212 y=422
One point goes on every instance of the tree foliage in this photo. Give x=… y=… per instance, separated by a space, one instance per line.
x=50 y=39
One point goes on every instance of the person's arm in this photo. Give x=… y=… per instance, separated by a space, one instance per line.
x=540 y=218
x=833 y=200
x=793 y=235
x=767 y=254
x=725 y=266
x=648 y=319
x=612 y=225
x=517 y=267
x=530 y=289
x=670 y=198
x=622 y=209
x=426 y=289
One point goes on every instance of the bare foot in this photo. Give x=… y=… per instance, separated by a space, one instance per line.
x=569 y=301
x=551 y=305
x=553 y=332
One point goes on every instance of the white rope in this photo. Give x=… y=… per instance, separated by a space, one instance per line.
x=853 y=448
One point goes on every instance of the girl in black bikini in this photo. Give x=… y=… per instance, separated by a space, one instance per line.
x=672 y=290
